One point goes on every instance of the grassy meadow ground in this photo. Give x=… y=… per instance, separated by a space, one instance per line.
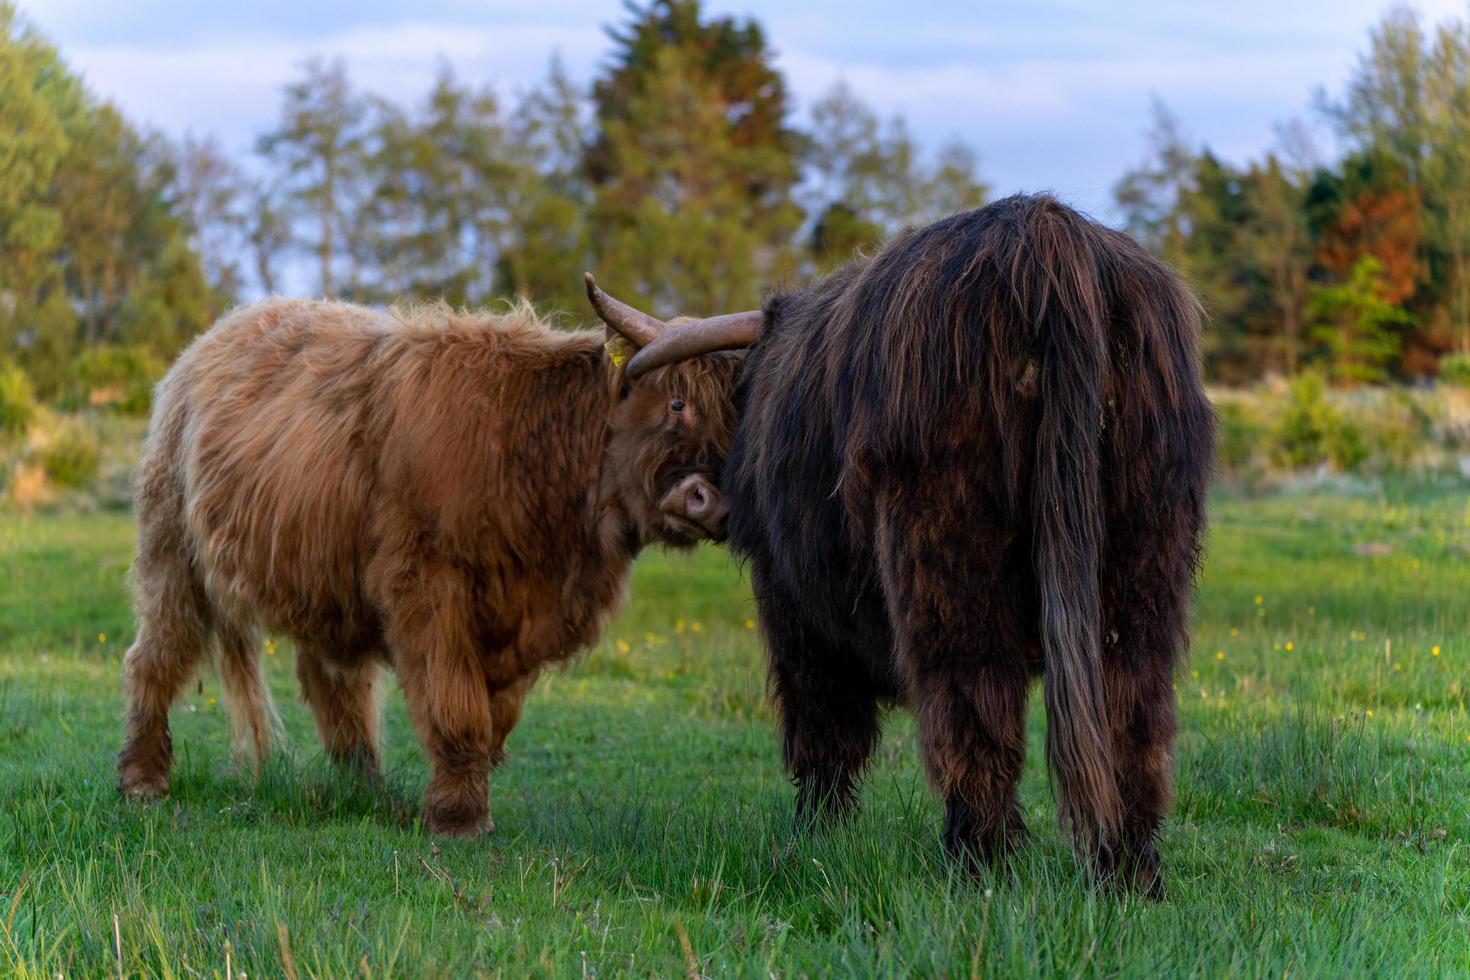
x=1322 y=825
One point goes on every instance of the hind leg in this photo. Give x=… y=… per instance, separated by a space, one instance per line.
x=827 y=705
x=1141 y=714
x=253 y=718
x=175 y=626
x=1148 y=584
x=344 y=701
x=960 y=644
x=505 y=711
x=1147 y=612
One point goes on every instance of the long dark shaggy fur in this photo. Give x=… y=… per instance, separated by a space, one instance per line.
x=981 y=454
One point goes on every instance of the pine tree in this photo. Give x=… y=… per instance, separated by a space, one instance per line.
x=694 y=163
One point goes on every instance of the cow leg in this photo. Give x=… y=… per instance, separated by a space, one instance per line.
x=1147 y=612
x=827 y=706
x=1141 y=716
x=957 y=629
x=432 y=638
x=505 y=711
x=344 y=701
x=175 y=629
x=253 y=718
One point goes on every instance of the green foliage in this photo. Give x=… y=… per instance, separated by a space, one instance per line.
x=1358 y=326
x=694 y=165
x=868 y=181
x=1309 y=428
x=17 y=403
x=1454 y=369
x=72 y=456
x=1243 y=433
x=122 y=376
x=92 y=250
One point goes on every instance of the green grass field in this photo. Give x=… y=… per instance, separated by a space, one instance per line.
x=1322 y=826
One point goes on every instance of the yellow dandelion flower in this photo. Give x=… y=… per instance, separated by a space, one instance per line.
x=1370 y=712
x=623 y=646
x=1398 y=666
x=1288 y=646
x=1434 y=650
x=1219 y=654
x=1194 y=674
x=212 y=701
x=1260 y=599
x=101 y=637
x=695 y=627
x=1234 y=631
x=750 y=625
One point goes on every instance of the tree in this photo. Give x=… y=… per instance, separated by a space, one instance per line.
x=1150 y=194
x=34 y=311
x=1278 y=244
x=1359 y=325
x=550 y=200
x=694 y=164
x=213 y=201
x=319 y=149
x=1446 y=171
x=88 y=220
x=1384 y=105
x=866 y=182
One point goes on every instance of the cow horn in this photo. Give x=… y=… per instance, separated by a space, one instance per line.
x=635 y=325
x=728 y=331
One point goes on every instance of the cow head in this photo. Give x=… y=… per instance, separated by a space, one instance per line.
x=672 y=421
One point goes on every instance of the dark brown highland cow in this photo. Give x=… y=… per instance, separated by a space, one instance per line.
x=459 y=496
x=978 y=455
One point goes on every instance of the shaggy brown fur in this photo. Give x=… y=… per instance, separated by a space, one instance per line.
x=981 y=454
x=458 y=496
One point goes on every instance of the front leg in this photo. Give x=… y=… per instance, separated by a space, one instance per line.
x=828 y=710
x=431 y=632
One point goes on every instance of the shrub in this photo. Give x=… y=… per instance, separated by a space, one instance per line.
x=1345 y=444
x=1454 y=369
x=1302 y=432
x=1242 y=433
x=120 y=377
x=1399 y=430
x=72 y=458
x=17 y=403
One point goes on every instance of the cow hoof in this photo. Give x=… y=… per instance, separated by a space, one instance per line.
x=142 y=786
x=457 y=825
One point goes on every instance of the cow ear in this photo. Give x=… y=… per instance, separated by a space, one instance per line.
x=618 y=347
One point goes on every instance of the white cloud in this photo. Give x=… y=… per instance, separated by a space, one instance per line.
x=1053 y=94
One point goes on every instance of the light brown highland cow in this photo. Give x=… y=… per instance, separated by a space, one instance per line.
x=459 y=496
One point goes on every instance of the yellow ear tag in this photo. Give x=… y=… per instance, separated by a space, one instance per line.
x=618 y=349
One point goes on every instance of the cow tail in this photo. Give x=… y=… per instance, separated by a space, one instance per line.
x=1062 y=290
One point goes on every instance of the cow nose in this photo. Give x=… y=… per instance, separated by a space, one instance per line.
x=699 y=500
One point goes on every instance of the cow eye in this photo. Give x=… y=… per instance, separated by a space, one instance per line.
x=676 y=404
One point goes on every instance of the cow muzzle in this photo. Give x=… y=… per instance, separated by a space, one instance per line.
x=694 y=510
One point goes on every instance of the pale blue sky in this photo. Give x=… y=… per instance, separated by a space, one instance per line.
x=1054 y=95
